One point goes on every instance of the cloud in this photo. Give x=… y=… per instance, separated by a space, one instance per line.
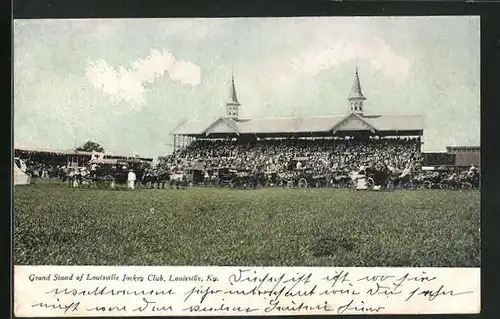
x=128 y=84
x=375 y=51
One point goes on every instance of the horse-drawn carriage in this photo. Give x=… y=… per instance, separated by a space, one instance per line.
x=340 y=179
x=243 y=178
x=442 y=177
x=303 y=173
x=247 y=178
x=235 y=178
x=103 y=173
x=300 y=178
x=377 y=177
x=460 y=180
x=226 y=176
x=195 y=173
x=428 y=180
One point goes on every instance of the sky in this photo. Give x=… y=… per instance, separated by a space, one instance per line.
x=127 y=83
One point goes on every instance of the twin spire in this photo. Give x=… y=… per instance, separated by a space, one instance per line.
x=233 y=97
x=232 y=106
x=356 y=98
x=356 y=92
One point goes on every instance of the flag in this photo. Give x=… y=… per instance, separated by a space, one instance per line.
x=96 y=156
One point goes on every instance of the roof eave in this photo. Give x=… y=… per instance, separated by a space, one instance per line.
x=356 y=98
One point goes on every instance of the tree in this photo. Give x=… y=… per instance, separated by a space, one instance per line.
x=90 y=146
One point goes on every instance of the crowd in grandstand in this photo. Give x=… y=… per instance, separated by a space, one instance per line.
x=316 y=154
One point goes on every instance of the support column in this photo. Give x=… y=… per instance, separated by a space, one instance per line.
x=175 y=144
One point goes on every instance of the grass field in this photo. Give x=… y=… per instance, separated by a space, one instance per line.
x=270 y=227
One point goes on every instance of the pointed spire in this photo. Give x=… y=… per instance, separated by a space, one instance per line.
x=356 y=92
x=233 y=105
x=233 y=97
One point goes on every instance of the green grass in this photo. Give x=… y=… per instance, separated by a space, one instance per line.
x=270 y=227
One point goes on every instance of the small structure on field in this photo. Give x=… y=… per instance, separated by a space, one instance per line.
x=20 y=175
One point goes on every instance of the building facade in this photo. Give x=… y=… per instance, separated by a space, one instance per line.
x=355 y=123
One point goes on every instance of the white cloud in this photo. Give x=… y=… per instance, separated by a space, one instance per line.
x=128 y=83
x=375 y=51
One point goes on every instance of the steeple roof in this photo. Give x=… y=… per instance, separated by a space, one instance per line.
x=233 y=97
x=356 y=92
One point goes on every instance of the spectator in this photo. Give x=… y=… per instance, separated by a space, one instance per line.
x=131 y=179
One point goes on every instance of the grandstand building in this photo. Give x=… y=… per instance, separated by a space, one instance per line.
x=356 y=123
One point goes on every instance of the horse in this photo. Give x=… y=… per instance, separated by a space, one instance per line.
x=178 y=180
x=75 y=179
x=428 y=180
x=342 y=180
x=154 y=179
x=147 y=179
x=398 y=181
x=357 y=176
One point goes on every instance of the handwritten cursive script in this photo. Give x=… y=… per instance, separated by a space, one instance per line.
x=240 y=291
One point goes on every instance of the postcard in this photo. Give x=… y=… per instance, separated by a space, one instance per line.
x=246 y=166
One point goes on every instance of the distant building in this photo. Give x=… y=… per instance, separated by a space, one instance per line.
x=463 y=149
x=68 y=157
x=465 y=155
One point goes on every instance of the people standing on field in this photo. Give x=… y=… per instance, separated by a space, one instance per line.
x=131 y=179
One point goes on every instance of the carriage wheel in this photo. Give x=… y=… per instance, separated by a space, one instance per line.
x=289 y=184
x=302 y=183
x=231 y=183
x=428 y=185
x=370 y=182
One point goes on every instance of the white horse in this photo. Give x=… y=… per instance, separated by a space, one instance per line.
x=360 y=181
x=178 y=179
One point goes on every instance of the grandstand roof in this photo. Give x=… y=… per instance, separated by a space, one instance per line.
x=294 y=125
x=396 y=122
x=51 y=151
x=72 y=152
